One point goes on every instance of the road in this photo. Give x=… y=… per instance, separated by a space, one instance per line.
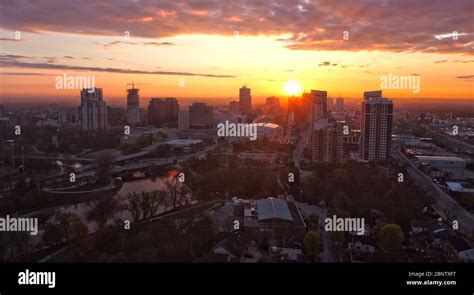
x=298 y=152
x=326 y=254
x=443 y=203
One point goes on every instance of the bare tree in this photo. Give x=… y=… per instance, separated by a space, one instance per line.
x=103 y=210
x=172 y=184
x=183 y=195
x=156 y=199
x=145 y=204
x=133 y=205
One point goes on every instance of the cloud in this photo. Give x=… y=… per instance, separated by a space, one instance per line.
x=10 y=40
x=465 y=77
x=397 y=26
x=152 y=43
x=324 y=64
x=49 y=66
x=24 y=74
x=455 y=61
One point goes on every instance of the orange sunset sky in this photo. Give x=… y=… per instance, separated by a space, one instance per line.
x=218 y=46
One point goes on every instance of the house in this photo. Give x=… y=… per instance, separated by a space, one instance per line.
x=230 y=247
x=270 y=218
x=227 y=250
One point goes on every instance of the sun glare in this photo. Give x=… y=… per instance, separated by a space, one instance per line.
x=292 y=87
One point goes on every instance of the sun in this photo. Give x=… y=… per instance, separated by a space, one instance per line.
x=292 y=87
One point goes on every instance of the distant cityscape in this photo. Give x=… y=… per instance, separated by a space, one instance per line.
x=321 y=181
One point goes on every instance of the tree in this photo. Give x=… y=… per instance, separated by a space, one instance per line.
x=156 y=199
x=390 y=237
x=172 y=184
x=311 y=245
x=183 y=195
x=103 y=210
x=64 y=226
x=103 y=165
x=145 y=204
x=133 y=205
x=264 y=245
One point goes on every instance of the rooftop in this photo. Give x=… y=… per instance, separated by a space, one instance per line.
x=273 y=209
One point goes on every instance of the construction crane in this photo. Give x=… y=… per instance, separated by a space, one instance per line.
x=133 y=84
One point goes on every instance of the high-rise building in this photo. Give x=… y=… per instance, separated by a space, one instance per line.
x=234 y=106
x=306 y=105
x=201 y=116
x=93 y=110
x=245 y=100
x=339 y=105
x=135 y=114
x=376 y=127
x=133 y=100
x=272 y=105
x=327 y=143
x=319 y=105
x=369 y=94
x=2 y=110
x=163 y=111
x=330 y=105
x=183 y=119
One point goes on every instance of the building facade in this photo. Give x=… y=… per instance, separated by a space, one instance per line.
x=376 y=127
x=183 y=119
x=201 y=116
x=93 y=110
x=245 y=100
x=163 y=111
x=327 y=143
x=234 y=106
x=339 y=105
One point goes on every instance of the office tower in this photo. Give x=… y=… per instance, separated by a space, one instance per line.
x=340 y=105
x=234 y=106
x=319 y=105
x=245 y=100
x=330 y=104
x=163 y=111
x=201 y=116
x=327 y=143
x=376 y=93
x=133 y=100
x=306 y=105
x=183 y=119
x=2 y=110
x=376 y=127
x=93 y=110
x=272 y=105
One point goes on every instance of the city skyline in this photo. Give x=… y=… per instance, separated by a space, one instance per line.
x=137 y=135
x=218 y=50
